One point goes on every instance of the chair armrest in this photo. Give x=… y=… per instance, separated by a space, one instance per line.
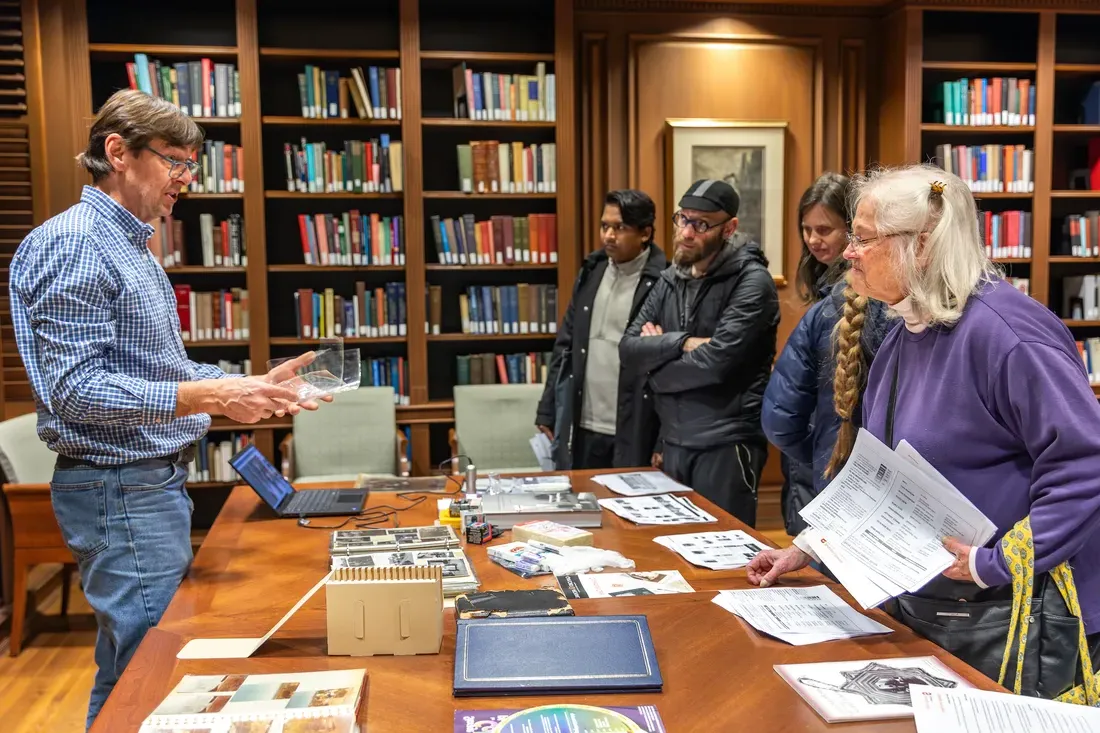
x=452 y=439
x=402 y=457
x=25 y=488
x=286 y=449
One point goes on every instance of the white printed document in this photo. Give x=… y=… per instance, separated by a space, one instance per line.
x=941 y=710
x=799 y=616
x=886 y=514
x=715 y=550
x=640 y=483
x=659 y=509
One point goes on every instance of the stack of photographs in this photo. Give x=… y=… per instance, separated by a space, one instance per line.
x=359 y=541
x=409 y=546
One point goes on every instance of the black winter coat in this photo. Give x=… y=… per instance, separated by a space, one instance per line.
x=636 y=431
x=712 y=395
x=799 y=417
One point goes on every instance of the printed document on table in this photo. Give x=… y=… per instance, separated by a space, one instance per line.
x=659 y=509
x=799 y=616
x=715 y=550
x=640 y=483
x=944 y=710
x=890 y=515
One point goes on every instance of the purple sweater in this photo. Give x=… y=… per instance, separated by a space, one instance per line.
x=1001 y=405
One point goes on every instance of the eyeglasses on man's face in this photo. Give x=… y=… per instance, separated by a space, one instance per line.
x=700 y=226
x=177 y=167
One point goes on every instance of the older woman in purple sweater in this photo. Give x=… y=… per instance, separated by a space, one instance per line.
x=991 y=390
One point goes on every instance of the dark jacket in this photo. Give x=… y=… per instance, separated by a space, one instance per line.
x=799 y=417
x=712 y=395
x=635 y=433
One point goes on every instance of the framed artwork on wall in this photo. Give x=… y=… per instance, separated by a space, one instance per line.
x=750 y=156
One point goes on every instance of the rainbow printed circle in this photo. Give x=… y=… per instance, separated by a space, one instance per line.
x=575 y=717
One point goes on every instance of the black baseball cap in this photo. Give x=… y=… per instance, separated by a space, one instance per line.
x=710 y=194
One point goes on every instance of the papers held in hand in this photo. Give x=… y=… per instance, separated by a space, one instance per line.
x=879 y=525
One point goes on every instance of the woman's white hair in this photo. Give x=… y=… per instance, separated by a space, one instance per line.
x=953 y=264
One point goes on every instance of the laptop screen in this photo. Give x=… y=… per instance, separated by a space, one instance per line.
x=261 y=475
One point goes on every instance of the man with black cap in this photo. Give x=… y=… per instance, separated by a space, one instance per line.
x=706 y=338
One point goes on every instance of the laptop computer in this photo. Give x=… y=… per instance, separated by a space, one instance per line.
x=287 y=501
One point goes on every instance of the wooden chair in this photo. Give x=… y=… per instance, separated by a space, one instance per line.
x=28 y=467
x=355 y=435
x=494 y=424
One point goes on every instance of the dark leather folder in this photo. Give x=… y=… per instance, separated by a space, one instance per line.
x=557 y=655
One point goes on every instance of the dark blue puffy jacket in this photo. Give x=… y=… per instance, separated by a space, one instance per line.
x=798 y=414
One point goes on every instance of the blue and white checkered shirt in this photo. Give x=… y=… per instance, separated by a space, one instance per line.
x=96 y=325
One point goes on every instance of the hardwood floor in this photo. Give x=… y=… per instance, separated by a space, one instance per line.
x=45 y=689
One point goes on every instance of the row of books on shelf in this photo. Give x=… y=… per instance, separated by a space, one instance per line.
x=486 y=95
x=501 y=240
x=352 y=238
x=1081 y=297
x=374 y=313
x=223 y=243
x=222 y=168
x=529 y=368
x=363 y=166
x=506 y=309
x=387 y=371
x=376 y=93
x=234 y=367
x=220 y=315
x=491 y=166
x=1080 y=236
x=212 y=454
x=1006 y=234
x=200 y=88
x=1090 y=354
x=983 y=102
x=990 y=168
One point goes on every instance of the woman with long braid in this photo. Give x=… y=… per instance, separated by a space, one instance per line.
x=988 y=386
x=798 y=416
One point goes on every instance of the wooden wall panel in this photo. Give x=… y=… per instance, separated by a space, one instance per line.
x=813 y=72
x=852 y=106
x=67 y=88
x=777 y=80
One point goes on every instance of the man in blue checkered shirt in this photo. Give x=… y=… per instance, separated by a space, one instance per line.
x=117 y=397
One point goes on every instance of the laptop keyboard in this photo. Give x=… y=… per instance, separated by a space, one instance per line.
x=308 y=501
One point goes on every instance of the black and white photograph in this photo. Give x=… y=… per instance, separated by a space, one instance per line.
x=866 y=689
x=747 y=154
x=741 y=166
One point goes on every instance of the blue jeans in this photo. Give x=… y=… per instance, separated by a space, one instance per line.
x=129 y=528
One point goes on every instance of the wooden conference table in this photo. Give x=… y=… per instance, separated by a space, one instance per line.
x=717 y=670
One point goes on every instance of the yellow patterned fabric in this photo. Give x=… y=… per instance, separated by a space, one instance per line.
x=1019 y=553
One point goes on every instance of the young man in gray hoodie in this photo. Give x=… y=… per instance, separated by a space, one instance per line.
x=706 y=339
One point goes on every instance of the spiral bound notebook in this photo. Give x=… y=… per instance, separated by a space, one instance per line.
x=294 y=702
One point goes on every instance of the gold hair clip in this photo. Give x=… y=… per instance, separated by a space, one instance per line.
x=937 y=188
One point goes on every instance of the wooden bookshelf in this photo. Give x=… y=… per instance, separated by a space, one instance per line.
x=269 y=43
x=1055 y=50
x=22 y=203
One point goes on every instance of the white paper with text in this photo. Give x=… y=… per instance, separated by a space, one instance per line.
x=941 y=710
x=890 y=516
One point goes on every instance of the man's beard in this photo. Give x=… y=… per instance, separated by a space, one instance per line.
x=685 y=258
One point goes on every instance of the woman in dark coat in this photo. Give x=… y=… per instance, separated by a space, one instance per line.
x=798 y=415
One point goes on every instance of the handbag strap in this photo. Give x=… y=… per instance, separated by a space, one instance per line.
x=1018 y=549
x=892 y=403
